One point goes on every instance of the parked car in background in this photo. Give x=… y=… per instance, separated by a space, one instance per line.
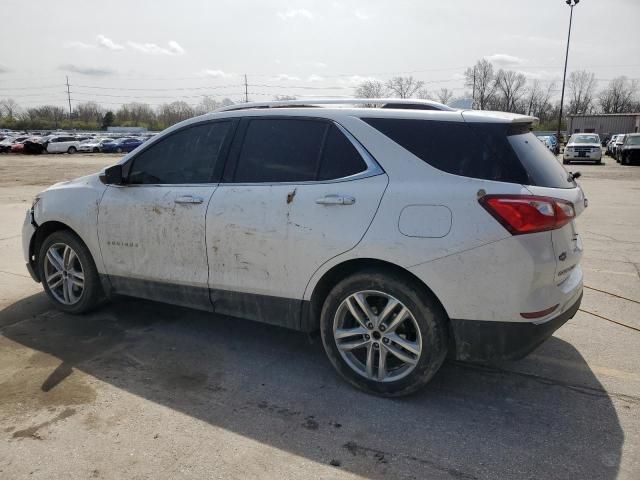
x=315 y=219
x=583 y=147
x=610 y=144
x=546 y=141
x=63 y=144
x=616 y=146
x=7 y=143
x=34 y=145
x=18 y=147
x=629 y=151
x=122 y=145
x=93 y=145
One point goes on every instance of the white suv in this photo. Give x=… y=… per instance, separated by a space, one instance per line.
x=403 y=235
x=583 y=147
x=62 y=144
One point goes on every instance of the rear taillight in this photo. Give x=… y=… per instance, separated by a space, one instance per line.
x=522 y=214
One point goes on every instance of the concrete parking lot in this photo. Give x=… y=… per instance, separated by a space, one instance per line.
x=144 y=390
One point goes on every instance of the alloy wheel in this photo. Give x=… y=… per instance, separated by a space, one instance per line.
x=64 y=274
x=377 y=336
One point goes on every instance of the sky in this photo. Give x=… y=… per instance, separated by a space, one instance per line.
x=163 y=50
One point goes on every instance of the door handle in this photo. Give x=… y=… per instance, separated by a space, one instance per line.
x=188 y=199
x=336 y=200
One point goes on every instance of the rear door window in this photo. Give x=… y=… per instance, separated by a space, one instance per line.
x=339 y=157
x=488 y=151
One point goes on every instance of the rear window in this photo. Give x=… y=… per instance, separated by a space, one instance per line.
x=488 y=151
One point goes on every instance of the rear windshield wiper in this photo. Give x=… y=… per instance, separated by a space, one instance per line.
x=573 y=176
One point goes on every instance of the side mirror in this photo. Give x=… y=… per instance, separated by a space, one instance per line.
x=112 y=175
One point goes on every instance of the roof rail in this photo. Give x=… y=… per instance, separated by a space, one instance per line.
x=401 y=103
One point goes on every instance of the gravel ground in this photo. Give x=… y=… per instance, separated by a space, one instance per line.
x=144 y=390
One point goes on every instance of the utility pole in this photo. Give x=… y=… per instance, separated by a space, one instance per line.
x=69 y=97
x=246 y=89
x=571 y=3
x=473 y=95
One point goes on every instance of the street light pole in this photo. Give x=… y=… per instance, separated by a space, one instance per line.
x=571 y=3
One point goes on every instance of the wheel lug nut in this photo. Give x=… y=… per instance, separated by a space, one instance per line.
x=382 y=328
x=367 y=336
x=385 y=340
x=369 y=325
x=376 y=345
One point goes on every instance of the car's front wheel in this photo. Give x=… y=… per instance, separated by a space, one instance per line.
x=72 y=150
x=68 y=273
x=383 y=333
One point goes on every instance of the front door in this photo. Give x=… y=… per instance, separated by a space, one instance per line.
x=299 y=192
x=152 y=228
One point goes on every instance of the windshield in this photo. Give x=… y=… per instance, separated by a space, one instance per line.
x=635 y=140
x=584 y=139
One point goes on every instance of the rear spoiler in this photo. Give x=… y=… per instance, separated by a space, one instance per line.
x=483 y=116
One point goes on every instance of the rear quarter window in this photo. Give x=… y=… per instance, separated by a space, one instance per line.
x=487 y=151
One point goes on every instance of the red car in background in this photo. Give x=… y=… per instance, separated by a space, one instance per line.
x=18 y=147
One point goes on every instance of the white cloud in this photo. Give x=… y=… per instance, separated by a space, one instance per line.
x=503 y=60
x=360 y=15
x=107 y=43
x=154 y=49
x=314 y=78
x=84 y=70
x=458 y=76
x=3 y=69
x=295 y=13
x=79 y=45
x=313 y=64
x=286 y=77
x=354 y=80
x=216 y=73
x=175 y=47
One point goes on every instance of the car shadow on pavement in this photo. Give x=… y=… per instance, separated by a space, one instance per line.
x=276 y=387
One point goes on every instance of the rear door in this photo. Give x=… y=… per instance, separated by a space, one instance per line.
x=296 y=192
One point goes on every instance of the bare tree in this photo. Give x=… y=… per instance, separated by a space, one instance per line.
x=581 y=85
x=404 y=87
x=89 y=113
x=619 y=96
x=174 y=112
x=480 y=78
x=510 y=87
x=284 y=98
x=206 y=105
x=10 y=107
x=444 y=95
x=424 y=94
x=371 y=89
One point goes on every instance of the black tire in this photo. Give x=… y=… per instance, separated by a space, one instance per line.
x=92 y=293
x=566 y=162
x=118 y=150
x=599 y=162
x=72 y=150
x=429 y=316
x=96 y=150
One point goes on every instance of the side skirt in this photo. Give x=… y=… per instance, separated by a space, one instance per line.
x=283 y=312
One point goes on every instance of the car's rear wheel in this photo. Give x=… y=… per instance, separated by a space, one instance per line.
x=566 y=162
x=383 y=333
x=96 y=150
x=68 y=273
x=119 y=150
x=72 y=150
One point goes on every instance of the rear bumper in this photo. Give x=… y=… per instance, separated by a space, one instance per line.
x=483 y=341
